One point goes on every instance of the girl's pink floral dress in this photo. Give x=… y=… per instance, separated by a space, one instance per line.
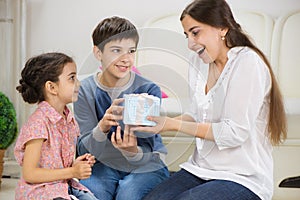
x=58 y=151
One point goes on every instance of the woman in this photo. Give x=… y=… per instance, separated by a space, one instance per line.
x=236 y=115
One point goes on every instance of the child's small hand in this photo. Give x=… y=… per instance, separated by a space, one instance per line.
x=127 y=144
x=81 y=169
x=112 y=115
x=86 y=157
x=91 y=159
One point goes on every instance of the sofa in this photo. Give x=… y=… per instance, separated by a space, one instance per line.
x=163 y=57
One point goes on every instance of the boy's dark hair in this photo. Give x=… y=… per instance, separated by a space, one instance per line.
x=114 y=28
x=37 y=71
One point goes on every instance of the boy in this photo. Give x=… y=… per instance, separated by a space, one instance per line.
x=128 y=164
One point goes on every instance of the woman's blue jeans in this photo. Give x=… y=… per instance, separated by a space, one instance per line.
x=107 y=183
x=183 y=185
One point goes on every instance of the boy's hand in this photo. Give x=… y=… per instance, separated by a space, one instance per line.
x=112 y=115
x=127 y=145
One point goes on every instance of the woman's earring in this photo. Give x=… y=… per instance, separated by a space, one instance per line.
x=223 y=38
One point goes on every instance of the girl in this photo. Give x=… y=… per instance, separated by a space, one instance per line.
x=46 y=145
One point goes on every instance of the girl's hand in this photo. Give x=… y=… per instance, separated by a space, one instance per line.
x=112 y=115
x=86 y=157
x=33 y=173
x=91 y=159
x=159 y=127
x=127 y=145
x=82 y=169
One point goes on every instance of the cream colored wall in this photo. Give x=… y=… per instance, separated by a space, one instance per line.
x=66 y=25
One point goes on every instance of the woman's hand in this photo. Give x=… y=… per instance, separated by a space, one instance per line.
x=127 y=144
x=112 y=115
x=161 y=122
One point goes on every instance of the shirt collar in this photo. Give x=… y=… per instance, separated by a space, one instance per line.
x=233 y=52
x=53 y=115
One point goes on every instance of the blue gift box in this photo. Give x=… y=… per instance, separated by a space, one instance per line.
x=138 y=106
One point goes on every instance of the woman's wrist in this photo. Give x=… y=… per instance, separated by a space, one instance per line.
x=172 y=124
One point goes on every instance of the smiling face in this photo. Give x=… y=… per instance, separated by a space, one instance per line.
x=117 y=59
x=204 y=39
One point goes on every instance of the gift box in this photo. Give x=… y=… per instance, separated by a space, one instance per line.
x=138 y=106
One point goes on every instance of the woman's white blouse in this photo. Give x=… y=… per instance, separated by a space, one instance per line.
x=238 y=109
